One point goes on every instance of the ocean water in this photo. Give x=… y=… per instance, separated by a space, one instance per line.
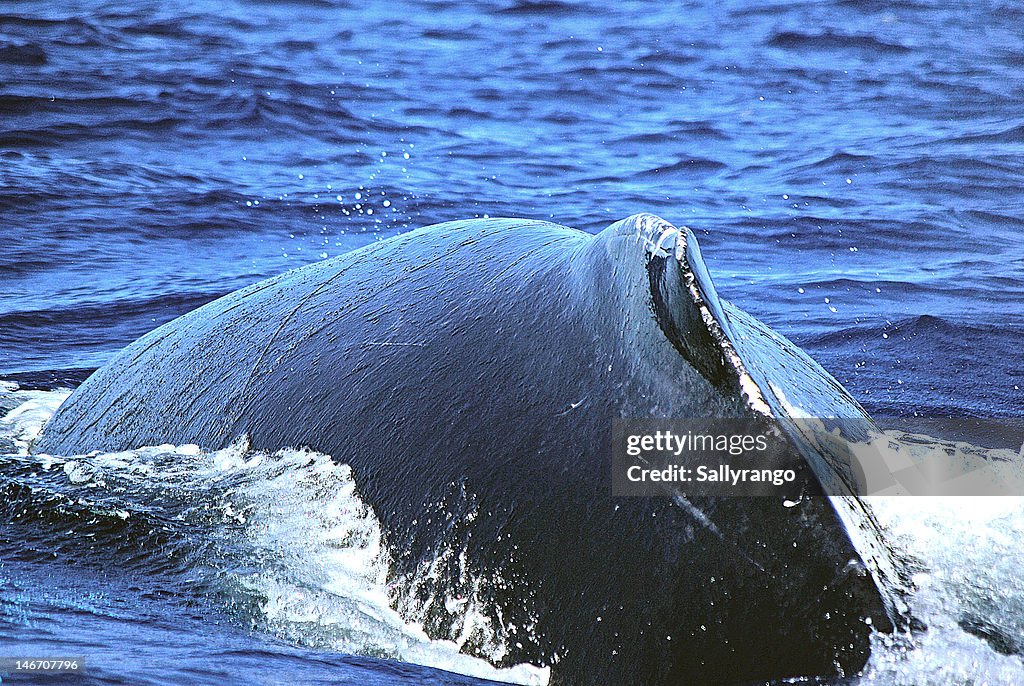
x=854 y=172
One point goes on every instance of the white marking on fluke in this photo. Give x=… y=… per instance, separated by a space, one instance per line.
x=658 y=236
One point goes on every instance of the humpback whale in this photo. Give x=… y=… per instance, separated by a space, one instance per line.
x=469 y=373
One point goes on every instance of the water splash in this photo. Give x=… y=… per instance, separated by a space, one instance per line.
x=281 y=541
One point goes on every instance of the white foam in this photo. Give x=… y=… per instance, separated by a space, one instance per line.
x=23 y=424
x=972 y=549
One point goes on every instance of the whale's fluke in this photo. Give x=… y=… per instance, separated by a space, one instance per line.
x=470 y=372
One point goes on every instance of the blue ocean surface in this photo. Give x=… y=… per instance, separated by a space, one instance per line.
x=854 y=172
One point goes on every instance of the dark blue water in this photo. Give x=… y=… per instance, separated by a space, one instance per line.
x=131 y=634
x=854 y=171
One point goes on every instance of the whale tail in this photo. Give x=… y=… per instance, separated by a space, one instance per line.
x=777 y=380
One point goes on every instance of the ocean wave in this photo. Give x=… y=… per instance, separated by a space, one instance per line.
x=22 y=54
x=829 y=40
x=538 y=7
